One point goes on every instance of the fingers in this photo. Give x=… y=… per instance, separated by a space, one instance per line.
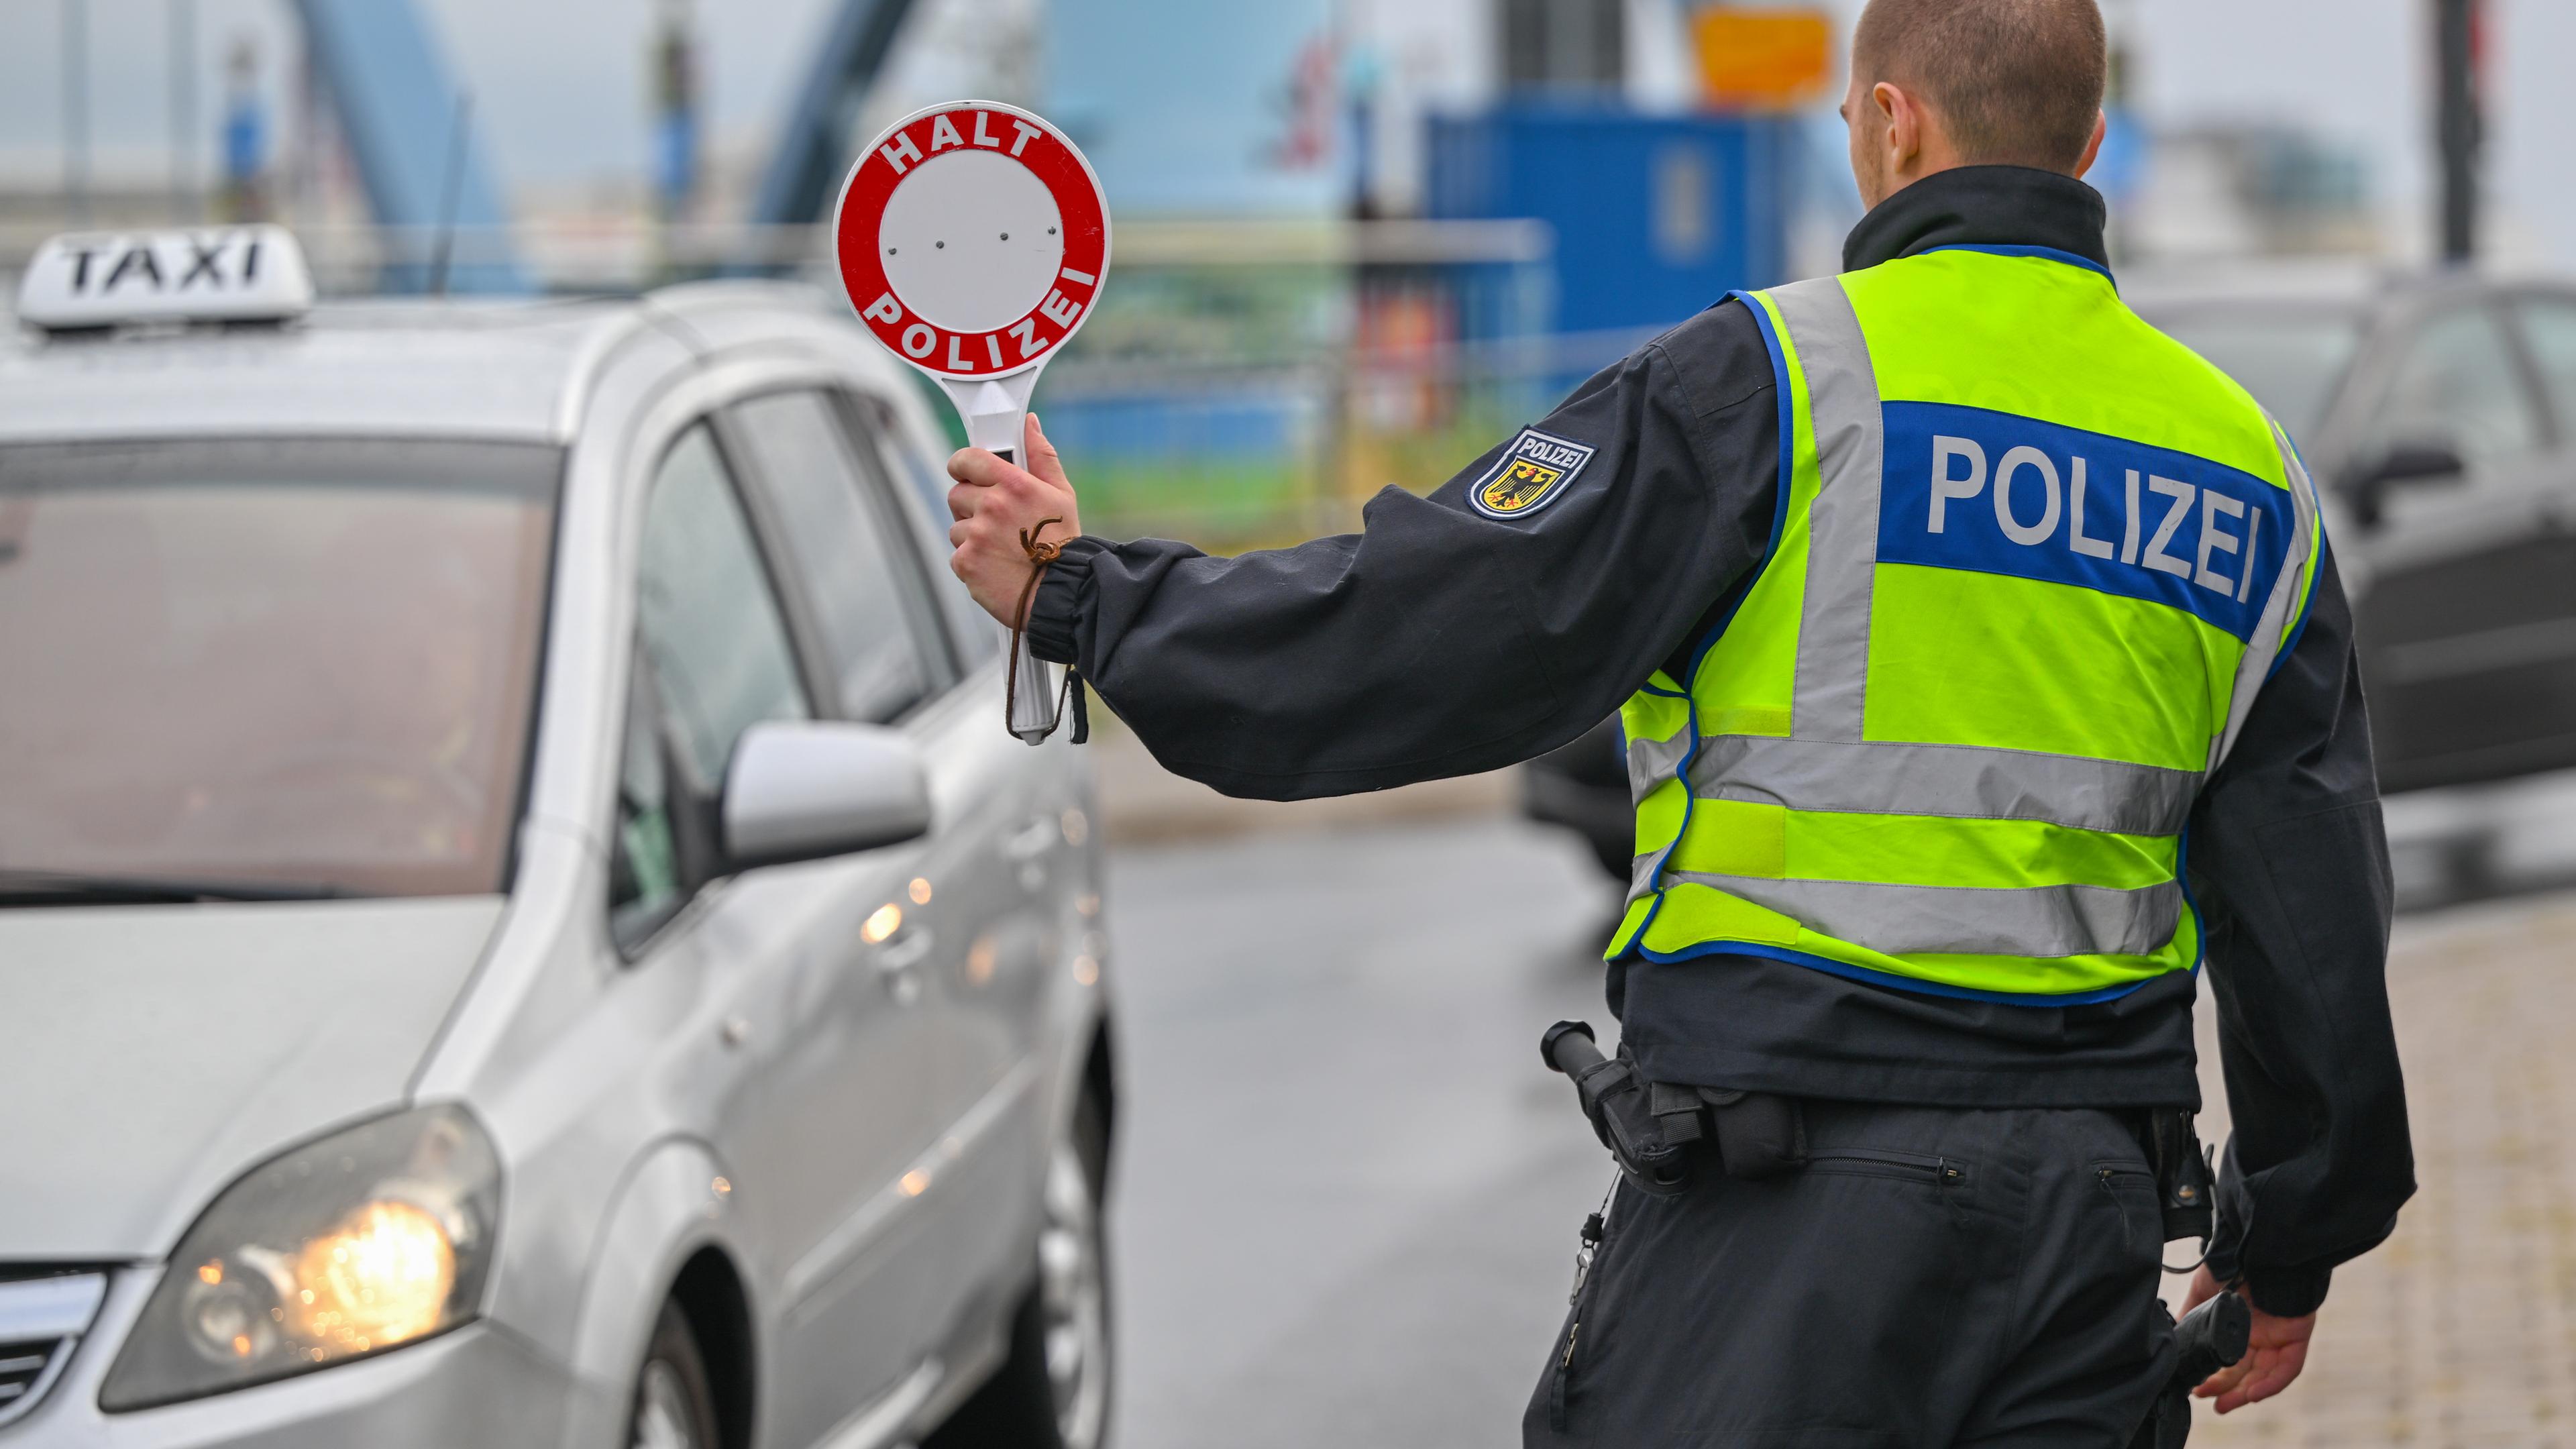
x=977 y=471
x=2265 y=1372
x=975 y=468
x=980 y=467
x=2226 y=1380
x=2278 y=1351
x=2278 y=1373
x=1043 y=460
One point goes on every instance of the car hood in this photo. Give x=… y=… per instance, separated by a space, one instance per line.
x=150 y=1054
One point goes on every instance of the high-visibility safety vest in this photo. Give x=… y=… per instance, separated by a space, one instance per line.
x=2032 y=562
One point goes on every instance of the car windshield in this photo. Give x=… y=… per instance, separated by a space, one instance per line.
x=2289 y=358
x=306 y=664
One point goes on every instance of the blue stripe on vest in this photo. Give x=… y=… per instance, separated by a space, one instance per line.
x=1993 y=493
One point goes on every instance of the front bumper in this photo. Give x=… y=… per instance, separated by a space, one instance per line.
x=479 y=1384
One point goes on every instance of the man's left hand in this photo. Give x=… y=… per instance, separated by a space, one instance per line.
x=994 y=503
x=2273 y=1356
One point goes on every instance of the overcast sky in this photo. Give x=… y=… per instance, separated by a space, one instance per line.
x=560 y=84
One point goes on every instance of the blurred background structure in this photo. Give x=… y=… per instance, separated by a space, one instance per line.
x=1356 y=237
x=1357 y=241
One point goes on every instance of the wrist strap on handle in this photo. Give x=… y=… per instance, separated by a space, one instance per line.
x=1041 y=553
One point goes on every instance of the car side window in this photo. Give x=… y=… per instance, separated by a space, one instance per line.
x=705 y=615
x=2457 y=385
x=862 y=577
x=712 y=660
x=2549 y=327
x=972 y=631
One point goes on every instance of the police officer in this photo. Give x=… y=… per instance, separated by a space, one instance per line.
x=1984 y=672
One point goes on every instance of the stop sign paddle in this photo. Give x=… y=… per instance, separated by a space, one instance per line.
x=973 y=239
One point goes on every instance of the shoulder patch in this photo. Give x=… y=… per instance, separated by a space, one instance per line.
x=1532 y=472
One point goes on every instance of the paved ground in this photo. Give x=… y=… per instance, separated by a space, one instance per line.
x=2462 y=1329
x=1348 y=1191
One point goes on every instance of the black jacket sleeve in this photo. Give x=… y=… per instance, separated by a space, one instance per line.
x=1443 y=640
x=2289 y=866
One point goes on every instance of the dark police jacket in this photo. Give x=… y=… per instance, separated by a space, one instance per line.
x=1445 y=639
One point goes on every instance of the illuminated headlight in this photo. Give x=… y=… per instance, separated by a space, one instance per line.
x=366 y=1240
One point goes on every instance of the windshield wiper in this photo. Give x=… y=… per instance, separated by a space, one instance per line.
x=73 y=888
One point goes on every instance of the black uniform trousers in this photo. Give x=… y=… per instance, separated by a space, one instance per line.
x=1930 y=1277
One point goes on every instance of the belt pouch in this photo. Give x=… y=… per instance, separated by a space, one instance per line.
x=1759 y=1134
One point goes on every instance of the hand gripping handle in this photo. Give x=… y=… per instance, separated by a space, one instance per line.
x=2209 y=1338
x=2212 y=1337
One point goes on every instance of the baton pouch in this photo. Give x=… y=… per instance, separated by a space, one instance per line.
x=1620 y=1105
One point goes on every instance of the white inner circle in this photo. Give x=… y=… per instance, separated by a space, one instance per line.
x=971 y=240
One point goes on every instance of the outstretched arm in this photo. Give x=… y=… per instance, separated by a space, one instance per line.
x=1450 y=635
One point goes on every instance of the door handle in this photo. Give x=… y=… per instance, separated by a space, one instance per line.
x=907 y=950
x=1030 y=841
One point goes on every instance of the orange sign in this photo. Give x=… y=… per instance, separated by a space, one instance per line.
x=1771 y=58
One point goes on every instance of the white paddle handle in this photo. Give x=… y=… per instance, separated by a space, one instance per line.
x=996 y=412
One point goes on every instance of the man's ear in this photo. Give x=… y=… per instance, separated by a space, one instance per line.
x=2093 y=148
x=1903 y=135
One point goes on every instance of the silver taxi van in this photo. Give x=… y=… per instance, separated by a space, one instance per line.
x=520 y=921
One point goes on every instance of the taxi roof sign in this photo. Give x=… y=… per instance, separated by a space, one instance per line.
x=198 y=274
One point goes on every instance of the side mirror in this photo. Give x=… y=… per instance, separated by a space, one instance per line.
x=2420 y=461
x=806 y=790
x=2414 y=462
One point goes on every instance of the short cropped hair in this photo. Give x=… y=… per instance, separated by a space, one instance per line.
x=2015 y=82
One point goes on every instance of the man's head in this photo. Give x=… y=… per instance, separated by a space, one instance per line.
x=1943 y=83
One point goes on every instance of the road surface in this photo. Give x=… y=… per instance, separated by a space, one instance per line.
x=1348 y=1192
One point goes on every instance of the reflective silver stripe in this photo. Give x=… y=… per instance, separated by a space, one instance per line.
x=2034 y=921
x=2265 y=646
x=1960 y=781
x=1842 y=551
x=1641 y=877
x=1652 y=762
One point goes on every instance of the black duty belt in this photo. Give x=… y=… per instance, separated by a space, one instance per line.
x=1657 y=1129
x=1663 y=1134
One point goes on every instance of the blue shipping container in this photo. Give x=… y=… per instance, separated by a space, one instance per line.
x=1656 y=217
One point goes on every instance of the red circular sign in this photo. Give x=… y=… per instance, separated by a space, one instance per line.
x=972 y=238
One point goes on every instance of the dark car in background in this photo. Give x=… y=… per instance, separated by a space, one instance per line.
x=2438 y=414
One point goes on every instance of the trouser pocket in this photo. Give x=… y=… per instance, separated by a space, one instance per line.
x=2131 y=1187
x=1929 y=1169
